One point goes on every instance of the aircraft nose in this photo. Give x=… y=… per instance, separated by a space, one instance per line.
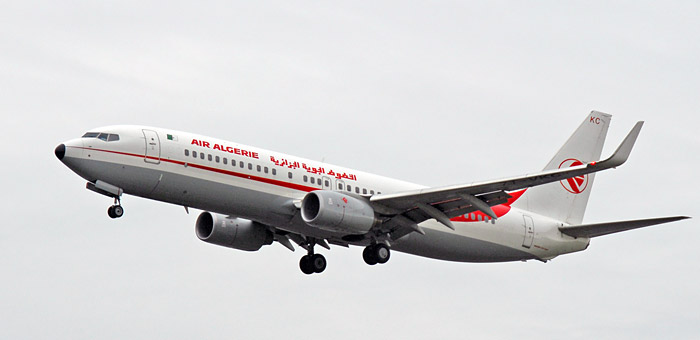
x=60 y=151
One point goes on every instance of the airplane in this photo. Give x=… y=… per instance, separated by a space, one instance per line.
x=251 y=197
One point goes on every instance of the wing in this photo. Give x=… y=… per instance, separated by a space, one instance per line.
x=404 y=210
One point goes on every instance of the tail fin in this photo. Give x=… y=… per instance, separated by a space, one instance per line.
x=566 y=200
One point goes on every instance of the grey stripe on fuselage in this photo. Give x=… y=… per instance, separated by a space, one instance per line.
x=278 y=211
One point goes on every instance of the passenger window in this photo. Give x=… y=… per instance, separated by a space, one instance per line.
x=250 y=166
x=187 y=152
x=259 y=168
x=194 y=154
x=102 y=136
x=266 y=170
x=233 y=162
x=349 y=188
x=326 y=183
x=306 y=178
x=242 y=165
x=357 y=190
x=340 y=186
x=371 y=192
x=201 y=155
x=209 y=157
x=225 y=160
x=379 y=192
x=289 y=175
x=112 y=137
x=274 y=172
x=364 y=191
x=217 y=159
x=313 y=180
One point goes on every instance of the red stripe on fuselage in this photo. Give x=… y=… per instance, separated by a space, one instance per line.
x=500 y=209
x=212 y=169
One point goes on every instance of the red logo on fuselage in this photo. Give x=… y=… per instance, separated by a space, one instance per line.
x=574 y=185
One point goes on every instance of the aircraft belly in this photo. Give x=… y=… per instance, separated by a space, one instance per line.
x=450 y=246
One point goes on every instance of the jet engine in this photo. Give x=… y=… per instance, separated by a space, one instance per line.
x=235 y=233
x=337 y=211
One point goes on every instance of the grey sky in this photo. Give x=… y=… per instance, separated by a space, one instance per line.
x=435 y=93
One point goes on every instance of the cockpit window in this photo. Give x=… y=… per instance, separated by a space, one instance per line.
x=107 y=137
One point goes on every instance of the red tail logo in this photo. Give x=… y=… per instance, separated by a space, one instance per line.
x=574 y=185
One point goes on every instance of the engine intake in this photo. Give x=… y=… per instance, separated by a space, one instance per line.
x=235 y=233
x=337 y=211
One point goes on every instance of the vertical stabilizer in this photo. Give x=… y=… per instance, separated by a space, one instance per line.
x=566 y=200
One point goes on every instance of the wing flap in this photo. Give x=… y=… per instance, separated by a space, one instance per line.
x=600 y=229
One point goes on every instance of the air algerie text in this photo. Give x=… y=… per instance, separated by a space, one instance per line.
x=228 y=149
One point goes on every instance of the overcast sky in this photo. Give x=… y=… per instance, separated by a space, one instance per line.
x=434 y=93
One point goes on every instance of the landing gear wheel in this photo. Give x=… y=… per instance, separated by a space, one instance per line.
x=305 y=265
x=368 y=256
x=318 y=263
x=381 y=253
x=115 y=211
x=376 y=253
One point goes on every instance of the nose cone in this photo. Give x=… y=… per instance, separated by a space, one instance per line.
x=60 y=151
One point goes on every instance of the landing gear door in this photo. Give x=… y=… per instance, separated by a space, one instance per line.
x=529 y=231
x=152 y=147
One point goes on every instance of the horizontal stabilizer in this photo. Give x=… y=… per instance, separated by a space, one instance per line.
x=600 y=229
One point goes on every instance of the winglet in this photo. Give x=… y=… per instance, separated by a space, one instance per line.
x=623 y=151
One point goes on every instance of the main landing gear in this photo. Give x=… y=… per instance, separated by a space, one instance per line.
x=376 y=253
x=116 y=211
x=312 y=263
x=316 y=263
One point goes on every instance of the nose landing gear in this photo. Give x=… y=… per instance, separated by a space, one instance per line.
x=116 y=211
x=104 y=188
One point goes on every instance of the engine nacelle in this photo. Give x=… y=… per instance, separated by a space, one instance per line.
x=235 y=233
x=336 y=211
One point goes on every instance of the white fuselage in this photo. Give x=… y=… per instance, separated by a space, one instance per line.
x=265 y=186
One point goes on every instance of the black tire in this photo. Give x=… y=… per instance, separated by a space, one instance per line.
x=305 y=265
x=118 y=211
x=110 y=212
x=381 y=253
x=318 y=263
x=368 y=255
